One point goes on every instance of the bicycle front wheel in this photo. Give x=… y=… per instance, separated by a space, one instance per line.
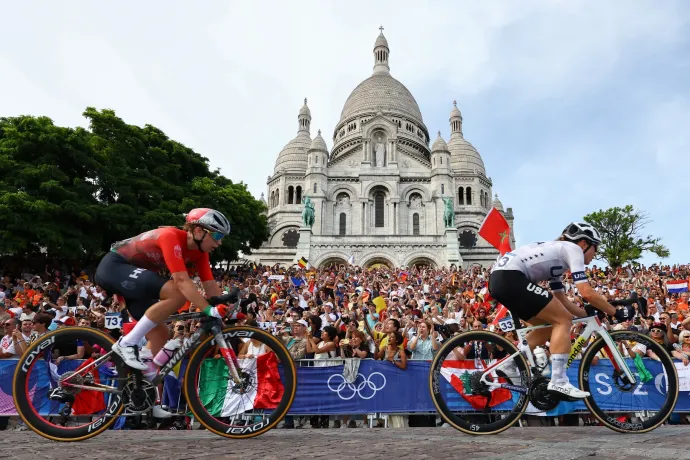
x=92 y=397
x=466 y=403
x=615 y=402
x=254 y=404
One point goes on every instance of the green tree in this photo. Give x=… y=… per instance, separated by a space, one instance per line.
x=621 y=233
x=68 y=194
x=47 y=202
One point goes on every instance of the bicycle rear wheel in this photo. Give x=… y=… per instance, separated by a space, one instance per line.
x=463 y=401
x=88 y=411
x=262 y=398
x=619 y=405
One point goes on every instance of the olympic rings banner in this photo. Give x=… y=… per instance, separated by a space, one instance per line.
x=382 y=387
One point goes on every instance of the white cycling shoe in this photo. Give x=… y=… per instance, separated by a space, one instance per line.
x=130 y=355
x=567 y=390
x=159 y=412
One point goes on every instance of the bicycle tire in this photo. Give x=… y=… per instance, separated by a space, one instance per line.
x=193 y=371
x=435 y=387
x=672 y=382
x=25 y=408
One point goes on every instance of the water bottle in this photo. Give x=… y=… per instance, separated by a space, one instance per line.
x=540 y=358
x=167 y=352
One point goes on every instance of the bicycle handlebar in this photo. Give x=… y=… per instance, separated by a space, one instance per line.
x=228 y=298
x=634 y=298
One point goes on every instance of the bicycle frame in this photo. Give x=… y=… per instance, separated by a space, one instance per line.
x=209 y=325
x=592 y=326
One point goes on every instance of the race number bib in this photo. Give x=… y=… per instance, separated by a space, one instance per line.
x=506 y=324
x=113 y=320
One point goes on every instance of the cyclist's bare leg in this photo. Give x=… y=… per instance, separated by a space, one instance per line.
x=157 y=337
x=171 y=301
x=561 y=320
x=538 y=336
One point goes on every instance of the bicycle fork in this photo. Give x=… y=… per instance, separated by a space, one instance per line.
x=228 y=355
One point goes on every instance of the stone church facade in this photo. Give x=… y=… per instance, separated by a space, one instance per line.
x=378 y=193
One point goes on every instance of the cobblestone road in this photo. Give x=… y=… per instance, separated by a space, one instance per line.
x=561 y=443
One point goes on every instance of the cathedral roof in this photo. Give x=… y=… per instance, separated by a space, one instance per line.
x=318 y=143
x=439 y=144
x=381 y=91
x=463 y=155
x=293 y=157
x=497 y=203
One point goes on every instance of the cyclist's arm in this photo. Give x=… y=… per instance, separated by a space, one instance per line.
x=576 y=262
x=596 y=299
x=571 y=307
x=188 y=289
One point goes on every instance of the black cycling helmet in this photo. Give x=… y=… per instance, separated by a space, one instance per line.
x=582 y=231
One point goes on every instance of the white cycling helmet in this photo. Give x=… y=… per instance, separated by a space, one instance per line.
x=582 y=231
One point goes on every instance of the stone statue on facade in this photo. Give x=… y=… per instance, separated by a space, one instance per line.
x=380 y=150
x=308 y=212
x=448 y=212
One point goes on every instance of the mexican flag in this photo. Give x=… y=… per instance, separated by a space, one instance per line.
x=457 y=372
x=216 y=386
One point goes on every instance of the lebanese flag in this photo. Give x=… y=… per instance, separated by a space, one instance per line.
x=265 y=394
x=496 y=231
x=677 y=286
x=457 y=373
x=89 y=401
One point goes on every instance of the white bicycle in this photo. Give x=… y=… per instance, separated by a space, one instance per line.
x=482 y=384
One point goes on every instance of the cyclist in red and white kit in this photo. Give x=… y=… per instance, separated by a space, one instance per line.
x=514 y=283
x=131 y=269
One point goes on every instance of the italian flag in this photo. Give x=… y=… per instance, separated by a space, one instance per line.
x=457 y=372
x=217 y=389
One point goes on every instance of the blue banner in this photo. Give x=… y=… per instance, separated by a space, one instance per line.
x=382 y=387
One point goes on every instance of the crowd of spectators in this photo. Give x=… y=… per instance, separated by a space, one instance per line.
x=332 y=312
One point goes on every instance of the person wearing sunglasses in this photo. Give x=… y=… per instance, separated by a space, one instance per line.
x=131 y=269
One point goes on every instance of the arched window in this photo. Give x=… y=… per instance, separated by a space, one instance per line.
x=277 y=197
x=441 y=160
x=343 y=224
x=415 y=224
x=298 y=198
x=314 y=187
x=461 y=196
x=378 y=210
x=481 y=198
x=468 y=195
x=486 y=199
x=291 y=194
x=443 y=189
x=272 y=201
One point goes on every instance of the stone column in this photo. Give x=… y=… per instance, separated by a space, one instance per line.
x=366 y=148
x=452 y=253
x=304 y=244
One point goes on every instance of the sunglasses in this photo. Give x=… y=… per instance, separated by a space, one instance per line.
x=656 y=330
x=216 y=236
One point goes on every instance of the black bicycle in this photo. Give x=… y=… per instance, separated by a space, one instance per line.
x=239 y=381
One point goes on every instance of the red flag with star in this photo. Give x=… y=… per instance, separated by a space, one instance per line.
x=496 y=231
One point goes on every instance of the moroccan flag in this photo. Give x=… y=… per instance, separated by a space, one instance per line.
x=89 y=401
x=496 y=231
x=500 y=314
x=457 y=373
x=380 y=304
x=216 y=386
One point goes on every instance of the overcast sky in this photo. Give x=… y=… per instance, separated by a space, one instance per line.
x=574 y=105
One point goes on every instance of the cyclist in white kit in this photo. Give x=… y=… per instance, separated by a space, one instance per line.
x=514 y=283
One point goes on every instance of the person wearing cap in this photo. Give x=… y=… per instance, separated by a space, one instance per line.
x=328 y=317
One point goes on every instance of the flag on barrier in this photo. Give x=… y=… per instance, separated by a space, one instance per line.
x=219 y=397
x=457 y=372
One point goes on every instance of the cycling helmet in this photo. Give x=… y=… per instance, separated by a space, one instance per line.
x=582 y=231
x=210 y=219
